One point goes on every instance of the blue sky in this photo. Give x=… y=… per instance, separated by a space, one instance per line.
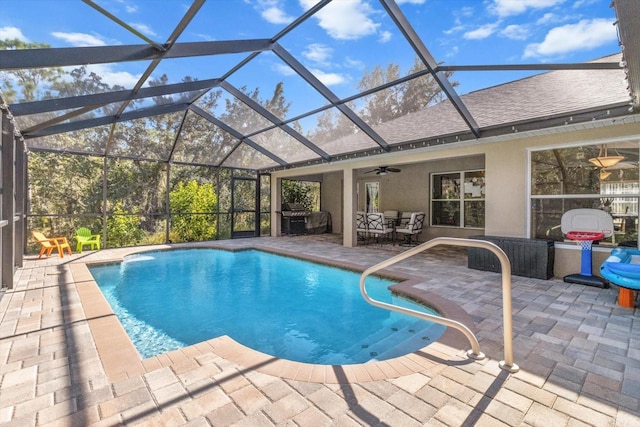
x=339 y=44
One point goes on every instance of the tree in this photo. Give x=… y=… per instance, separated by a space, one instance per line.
x=383 y=105
x=423 y=91
x=28 y=84
x=193 y=206
x=123 y=227
x=303 y=192
x=401 y=99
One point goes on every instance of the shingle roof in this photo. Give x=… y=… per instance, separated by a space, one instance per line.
x=557 y=93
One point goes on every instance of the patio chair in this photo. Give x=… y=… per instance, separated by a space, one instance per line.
x=377 y=225
x=404 y=219
x=84 y=237
x=412 y=228
x=50 y=243
x=361 y=226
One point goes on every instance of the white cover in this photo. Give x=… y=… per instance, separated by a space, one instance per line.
x=592 y=220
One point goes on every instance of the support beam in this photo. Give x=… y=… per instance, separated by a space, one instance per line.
x=101 y=121
x=275 y=120
x=276 y=203
x=199 y=111
x=124 y=25
x=70 y=56
x=532 y=67
x=328 y=94
x=350 y=206
x=7 y=200
x=47 y=105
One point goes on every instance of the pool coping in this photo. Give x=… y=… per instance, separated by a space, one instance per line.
x=121 y=360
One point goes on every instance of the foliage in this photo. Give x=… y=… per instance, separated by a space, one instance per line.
x=303 y=192
x=192 y=208
x=29 y=84
x=123 y=227
x=401 y=99
x=136 y=155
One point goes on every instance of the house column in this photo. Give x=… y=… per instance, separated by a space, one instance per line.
x=276 y=203
x=349 y=234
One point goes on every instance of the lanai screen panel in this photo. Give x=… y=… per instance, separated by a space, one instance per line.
x=89 y=141
x=235 y=113
x=282 y=91
x=347 y=54
x=32 y=121
x=284 y=146
x=334 y=132
x=339 y=54
x=245 y=20
x=202 y=142
x=246 y=157
x=150 y=138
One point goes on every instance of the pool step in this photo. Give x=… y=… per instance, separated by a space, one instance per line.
x=393 y=340
x=412 y=340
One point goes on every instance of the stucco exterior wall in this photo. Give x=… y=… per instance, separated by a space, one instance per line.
x=331 y=199
x=507 y=172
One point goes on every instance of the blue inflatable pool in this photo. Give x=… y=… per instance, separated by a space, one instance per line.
x=622 y=268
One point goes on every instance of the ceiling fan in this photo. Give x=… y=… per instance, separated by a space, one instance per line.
x=382 y=170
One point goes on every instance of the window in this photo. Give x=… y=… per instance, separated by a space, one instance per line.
x=603 y=176
x=372 y=190
x=457 y=195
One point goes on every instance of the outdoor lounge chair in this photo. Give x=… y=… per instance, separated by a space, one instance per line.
x=412 y=228
x=84 y=237
x=377 y=225
x=50 y=243
x=361 y=226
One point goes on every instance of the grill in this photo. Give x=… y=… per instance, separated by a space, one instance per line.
x=294 y=218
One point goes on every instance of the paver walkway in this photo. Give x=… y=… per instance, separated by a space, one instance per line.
x=578 y=353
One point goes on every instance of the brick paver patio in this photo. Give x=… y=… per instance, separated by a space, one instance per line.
x=63 y=360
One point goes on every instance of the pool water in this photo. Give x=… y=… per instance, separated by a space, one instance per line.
x=285 y=307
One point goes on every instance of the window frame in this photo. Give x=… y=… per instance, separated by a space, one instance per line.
x=461 y=198
x=618 y=197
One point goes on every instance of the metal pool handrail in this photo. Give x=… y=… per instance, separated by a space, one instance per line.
x=475 y=353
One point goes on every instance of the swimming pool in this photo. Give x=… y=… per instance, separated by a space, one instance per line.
x=281 y=306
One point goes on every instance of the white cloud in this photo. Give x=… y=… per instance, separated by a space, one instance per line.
x=318 y=53
x=345 y=19
x=283 y=69
x=452 y=51
x=12 y=33
x=206 y=37
x=131 y=8
x=504 y=8
x=456 y=29
x=515 y=32
x=482 y=32
x=581 y=3
x=329 y=79
x=109 y=76
x=410 y=1
x=585 y=35
x=79 y=39
x=276 y=15
x=547 y=18
x=385 y=36
x=354 y=63
x=143 y=28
